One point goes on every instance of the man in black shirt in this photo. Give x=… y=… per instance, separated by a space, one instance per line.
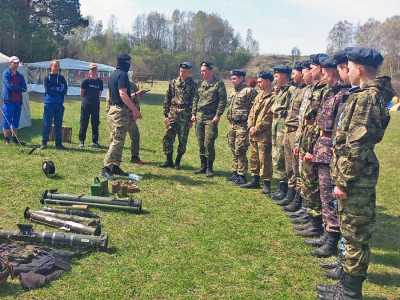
x=121 y=109
x=91 y=89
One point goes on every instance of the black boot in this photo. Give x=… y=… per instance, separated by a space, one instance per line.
x=314 y=230
x=106 y=172
x=335 y=273
x=330 y=265
x=318 y=242
x=232 y=177
x=116 y=170
x=280 y=192
x=329 y=248
x=169 y=163
x=240 y=180
x=348 y=288
x=178 y=161
x=288 y=198
x=266 y=188
x=303 y=219
x=295 y=204
x=209 y=169
x=298 y=213
x=253 y=184
x=203 y=166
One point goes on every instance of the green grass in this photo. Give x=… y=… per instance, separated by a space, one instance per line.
x=200 y=238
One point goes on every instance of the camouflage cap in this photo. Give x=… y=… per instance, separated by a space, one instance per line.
x=266 y=75
x=365 y=56
x=282 y=69
x=186 y=65
x=237 y=72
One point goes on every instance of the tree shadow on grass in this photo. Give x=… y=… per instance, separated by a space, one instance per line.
x=11 y=289
x=382 y=279
x=184 y=180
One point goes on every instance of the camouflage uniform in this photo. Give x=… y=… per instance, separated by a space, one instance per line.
x=292 y=125
x=322 y=153
x=282 y=98
x=177 y=108
x=210 y=101
x=308 y=171
x=240 y=104
x=355 y=168
x=260 y=117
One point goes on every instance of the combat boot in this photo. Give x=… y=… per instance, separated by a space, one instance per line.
x=232 y=177
x=314 y=230
x=280 y=192
x=330 y=265
x=116 y=170
x=298 y=213
x=253 y=184
x=178 y=161
x=266 y=189
x=329 y=248
x=348 y=288
x=335 y=273
x=295 y=204
x=301 y=227
x=241 y=180
x=318 y=242
x=288 y=198
x=209 y=169
x=303 y=219
x=169 y=163
x=203 y=166
x=106 y=172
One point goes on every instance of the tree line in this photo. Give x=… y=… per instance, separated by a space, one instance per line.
x=383 y=36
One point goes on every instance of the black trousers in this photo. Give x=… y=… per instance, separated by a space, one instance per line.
x=89 y=111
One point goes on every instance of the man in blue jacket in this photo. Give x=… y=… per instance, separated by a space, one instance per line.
x=13 y=86
x=55 y=87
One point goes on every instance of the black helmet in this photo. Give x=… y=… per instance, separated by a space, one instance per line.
x=48 y=168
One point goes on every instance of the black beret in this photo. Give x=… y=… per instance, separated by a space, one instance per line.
x=298 y=65
x=186 y=65
x=328 y=62
x=365 y=56
x=266 y=75
x=315 y=59
x=282 y=69
x=306 y=64
x=207 y=64
x=124 y=57
x=340 y=57
x=237 y=72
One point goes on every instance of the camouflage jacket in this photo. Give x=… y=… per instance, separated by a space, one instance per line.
x=292 y=120
x=179 y=98
x=310 y=132
x=282 y=97
x=361 y=125
x=240 y=103
x=325 y=121
x=306 y=93
x=210 y=99
x=260 y=117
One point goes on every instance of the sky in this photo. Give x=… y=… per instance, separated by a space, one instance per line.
x=278 y=25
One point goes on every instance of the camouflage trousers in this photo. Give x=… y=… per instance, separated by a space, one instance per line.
x=357 y=220
x=134 y=134
x=207 y=133
x=328 y=201
x=278 y=151
x=118 y=123
x=309 y=187
x=291 y=161
x=238 y=141
x=261 y=159
x=180 y=129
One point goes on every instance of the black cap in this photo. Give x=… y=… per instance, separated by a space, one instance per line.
x=207 y=64
x=266 y=75
x=298 y=65
x=282 y=69
x=306 y=64
x=124 y=57
x=328 y=63
x=365 y=56
x=237 y=72
x=186 y=65
x=315 y=59
x=340 y=57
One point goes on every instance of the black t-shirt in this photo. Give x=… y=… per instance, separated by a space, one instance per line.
x=93 y=88
x=118 y=80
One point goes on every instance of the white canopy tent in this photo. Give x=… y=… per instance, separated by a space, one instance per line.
x=25 y=120
x=74 y=71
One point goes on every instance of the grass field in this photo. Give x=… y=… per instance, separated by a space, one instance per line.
x=200 y=238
